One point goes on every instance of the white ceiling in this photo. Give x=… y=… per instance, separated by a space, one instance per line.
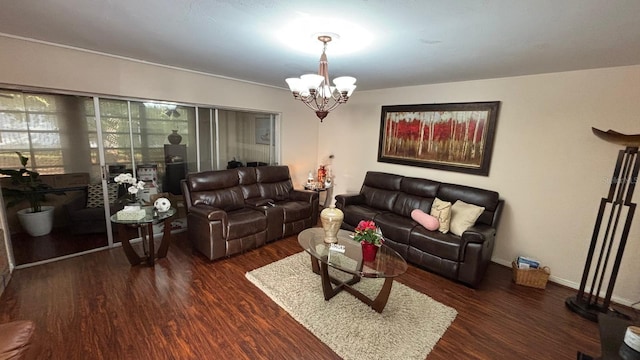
x=413 y=42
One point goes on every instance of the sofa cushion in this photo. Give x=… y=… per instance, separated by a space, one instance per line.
x=245 y=222
x=248 y=182
x=228 y=199
x=463 y=216
x=446 y=246
x=269 y=174
x=95 y=197
x=379 y=198
x=442 y=211
x=429 y=222
x=278 y=191
x=212 y=180
x=420 y=187
x=354 y=213
x=480 y=197
x=295 y=210
x=380 y=189
x=274 y=182
x=382 y=180
x=394 y=226
x=415 y=194
x=406 y=203
x=218 y=188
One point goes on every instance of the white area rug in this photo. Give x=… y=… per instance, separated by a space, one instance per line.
x=408 y=328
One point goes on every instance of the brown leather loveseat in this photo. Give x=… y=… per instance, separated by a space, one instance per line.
x=231 y=211
x=389 y=199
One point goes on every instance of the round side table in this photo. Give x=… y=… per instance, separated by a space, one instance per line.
x=146 y=226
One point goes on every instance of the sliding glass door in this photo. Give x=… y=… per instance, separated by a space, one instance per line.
x=80 y=143
x=54 y=133
x=234 y=138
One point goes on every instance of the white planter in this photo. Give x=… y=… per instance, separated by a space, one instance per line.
x=36 y=224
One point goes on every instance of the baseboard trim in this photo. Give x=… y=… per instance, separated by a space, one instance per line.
x=571 y=284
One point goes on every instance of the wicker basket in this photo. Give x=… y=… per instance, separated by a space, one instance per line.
x=536 y=278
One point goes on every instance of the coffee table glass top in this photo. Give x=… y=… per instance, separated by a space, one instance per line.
x=388 y=263
x=152 y=215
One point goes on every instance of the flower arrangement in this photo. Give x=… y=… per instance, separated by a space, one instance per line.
x=367 y=231
x=125 y=179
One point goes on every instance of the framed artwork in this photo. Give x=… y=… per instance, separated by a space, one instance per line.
x=453 y=137
x=263 y=130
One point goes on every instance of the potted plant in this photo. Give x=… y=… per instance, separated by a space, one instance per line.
x=370 y=238
x=37 y=220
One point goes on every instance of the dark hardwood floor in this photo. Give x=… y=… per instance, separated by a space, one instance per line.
x=96 y=306
x=60 y=242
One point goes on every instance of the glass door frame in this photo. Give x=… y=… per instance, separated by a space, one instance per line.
x=275 y=151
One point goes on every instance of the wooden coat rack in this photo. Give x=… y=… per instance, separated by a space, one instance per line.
x=588 y=303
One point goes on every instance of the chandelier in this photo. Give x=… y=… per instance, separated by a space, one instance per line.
x=315 y=91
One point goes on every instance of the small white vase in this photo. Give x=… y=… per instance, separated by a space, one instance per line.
x=331 y=219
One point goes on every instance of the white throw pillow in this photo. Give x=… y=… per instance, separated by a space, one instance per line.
x=442 y=211
x=463 y=216
x=94 y=195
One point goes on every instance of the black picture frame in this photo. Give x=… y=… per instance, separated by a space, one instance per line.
x=454 y=137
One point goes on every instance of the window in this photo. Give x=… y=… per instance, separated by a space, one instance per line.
x=58 y=133
x=39 y=126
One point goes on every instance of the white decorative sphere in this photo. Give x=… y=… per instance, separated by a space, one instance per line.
x=162 y=204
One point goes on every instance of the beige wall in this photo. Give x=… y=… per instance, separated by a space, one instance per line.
x=547 y=165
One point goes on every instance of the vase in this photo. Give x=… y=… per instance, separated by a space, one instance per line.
x=36 y=223
x=369 y=251
x=174 y=138
x=128 y=200
x=331 y=219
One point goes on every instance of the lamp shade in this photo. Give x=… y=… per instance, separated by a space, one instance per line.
x=295 y=85
x=311 y=81
x=344 y=83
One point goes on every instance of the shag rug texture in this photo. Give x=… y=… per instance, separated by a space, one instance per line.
x=408 y=328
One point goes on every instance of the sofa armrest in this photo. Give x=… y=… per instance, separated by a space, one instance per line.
x=477 y=244
x=16 y=339
x=209 y=212
x=478 y=233
x=304 y=195
x=345 y=200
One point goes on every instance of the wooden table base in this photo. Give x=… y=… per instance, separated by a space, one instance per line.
x=329 y=291
x=148 y=246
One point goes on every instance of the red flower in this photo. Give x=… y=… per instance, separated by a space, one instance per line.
x=367 y=231
x=364 y=225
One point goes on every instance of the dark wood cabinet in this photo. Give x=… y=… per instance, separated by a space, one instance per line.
x=175 y=157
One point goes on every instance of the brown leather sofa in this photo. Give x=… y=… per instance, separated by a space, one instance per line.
x=15 y=340
x=84 y=219
x=388 y=199
x=231 y=211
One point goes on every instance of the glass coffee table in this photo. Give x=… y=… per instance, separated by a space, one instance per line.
x=388 y=264
x=146 y=225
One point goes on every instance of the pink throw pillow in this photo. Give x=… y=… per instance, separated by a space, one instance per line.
x=429 y=222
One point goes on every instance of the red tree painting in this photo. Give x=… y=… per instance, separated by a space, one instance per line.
x=447 y=136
